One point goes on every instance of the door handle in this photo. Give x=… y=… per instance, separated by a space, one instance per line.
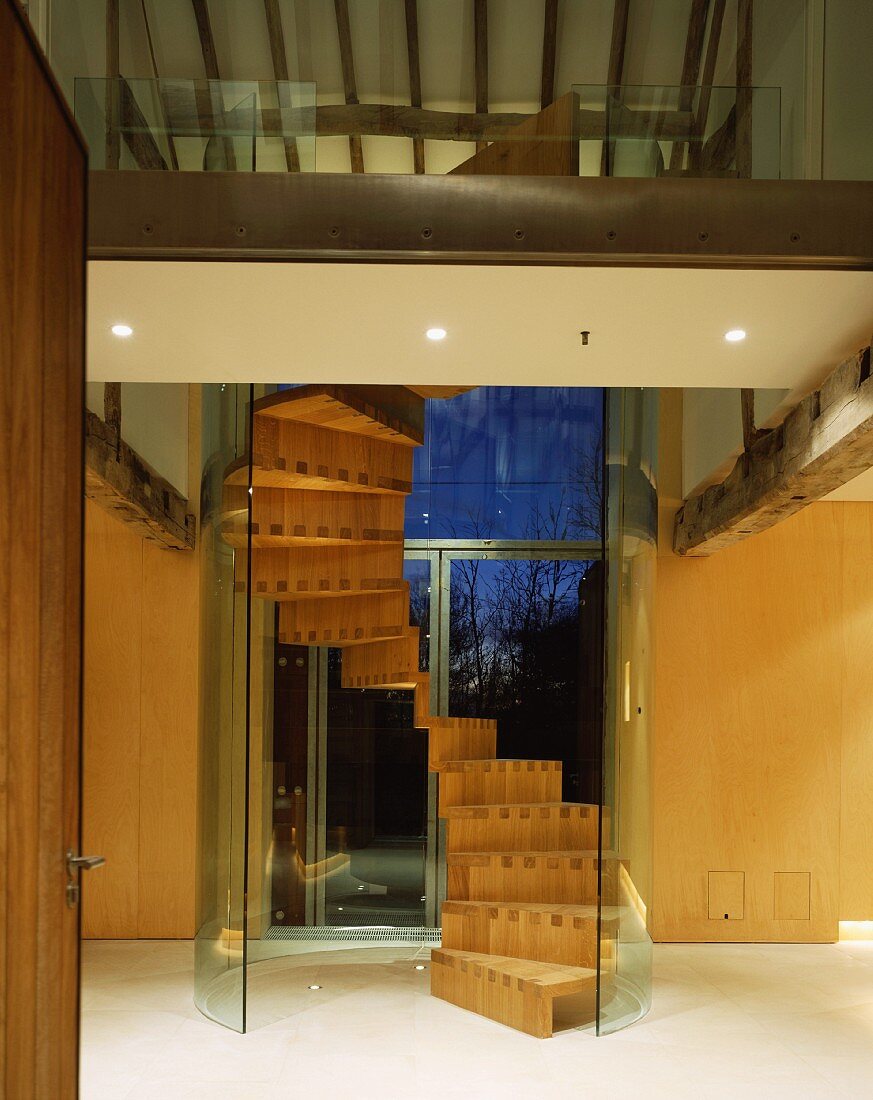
x=75 y=864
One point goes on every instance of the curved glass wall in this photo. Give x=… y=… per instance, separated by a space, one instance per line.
x=219 y=960
x=631 y=528
x=326 y=858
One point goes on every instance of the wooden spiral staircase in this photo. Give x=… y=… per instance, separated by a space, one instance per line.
x=331 y=468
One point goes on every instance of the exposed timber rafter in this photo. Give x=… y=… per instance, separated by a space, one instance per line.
x=120 y=481
x=276 y=34
x=347 y=59
x=212 y=99
x=744 y=88
x=480 y=35
x=824 y=442
x=615 y=71
x=690 y=68
x=709 y=63
x=414 y=58
x=550 y=51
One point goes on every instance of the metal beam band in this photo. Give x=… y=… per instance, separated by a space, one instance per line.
x=484 y=219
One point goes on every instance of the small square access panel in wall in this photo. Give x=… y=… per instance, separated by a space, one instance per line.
x=727 y=890
x=791 y=895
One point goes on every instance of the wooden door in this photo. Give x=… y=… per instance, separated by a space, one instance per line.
x=42 y=276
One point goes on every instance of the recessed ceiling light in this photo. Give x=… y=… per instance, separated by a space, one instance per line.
x=436 y=334
x=734 y=335
x=315 y=987
x=122 y=330
x=420 y=966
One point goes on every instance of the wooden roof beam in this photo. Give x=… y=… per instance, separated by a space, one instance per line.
x=347 y=60
x=550 y=51
x=690 y=68
x=709 y=63
x=414 y=58
x=125 y=485
x=210 y=67
x=824 y=442
x=480 y=35
x=276 y=34
x=615 y=71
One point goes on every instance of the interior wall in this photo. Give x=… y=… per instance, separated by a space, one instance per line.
x=764 y=733
x=140 y=733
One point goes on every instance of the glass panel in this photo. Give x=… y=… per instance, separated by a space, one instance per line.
x=219 y=943
x=626 y=837
x=671 y=130
x=197 y=125
x=508 y=462
x=519 y=650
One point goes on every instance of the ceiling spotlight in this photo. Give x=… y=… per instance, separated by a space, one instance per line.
x=315 y=987
x=122 y=330
x=420 y=966
x=436 y=334
x=734 y=335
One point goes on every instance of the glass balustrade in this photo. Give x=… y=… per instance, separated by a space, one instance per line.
x=328 y=848
x=592 y=130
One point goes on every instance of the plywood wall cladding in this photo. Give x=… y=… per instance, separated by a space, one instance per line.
x=511 y=839
x=764 y=738
x=140 y=733
x=43 y=166
x=311 y=518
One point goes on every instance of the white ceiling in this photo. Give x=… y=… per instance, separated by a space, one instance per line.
x=287 y=322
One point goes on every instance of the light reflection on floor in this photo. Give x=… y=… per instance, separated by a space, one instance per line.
x=738 y=1021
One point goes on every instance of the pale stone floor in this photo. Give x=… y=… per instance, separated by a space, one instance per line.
x=727 y=1021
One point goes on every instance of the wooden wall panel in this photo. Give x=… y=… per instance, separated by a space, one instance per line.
x=42 y=283
x=140 y=735
x=168 y=742
x=111 y=732
x=856 y=817
x=764 y=728
x=748 y=730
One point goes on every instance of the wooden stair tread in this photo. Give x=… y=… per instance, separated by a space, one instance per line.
x=237 y=535
x=399 y=418
x=489 y=807
x=578 y=853
x=488 y=764
x=553 y=979
x=290 y=479
x=585 y=912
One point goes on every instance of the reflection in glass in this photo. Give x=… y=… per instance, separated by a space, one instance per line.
x=219 y=941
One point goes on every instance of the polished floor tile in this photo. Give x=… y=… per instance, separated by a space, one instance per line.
x=727 y=1021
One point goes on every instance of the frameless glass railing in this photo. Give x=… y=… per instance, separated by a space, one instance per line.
x=197 y=125
x=591 y=130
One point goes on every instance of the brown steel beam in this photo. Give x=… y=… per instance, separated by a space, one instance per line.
x=505 y=219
